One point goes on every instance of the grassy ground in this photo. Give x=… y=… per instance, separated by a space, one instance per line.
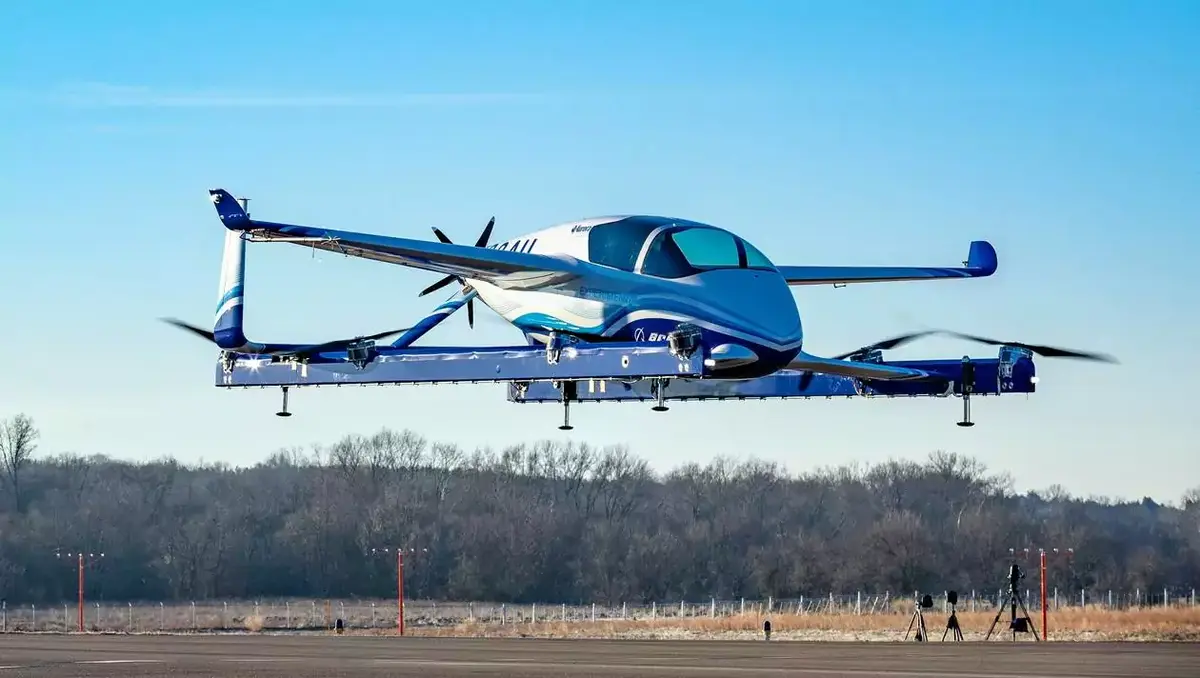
x=888 y=623
x=1069 y=624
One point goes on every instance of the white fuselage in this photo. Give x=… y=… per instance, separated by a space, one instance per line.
x=747 y=315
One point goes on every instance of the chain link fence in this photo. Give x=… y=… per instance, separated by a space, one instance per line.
x=299 y=615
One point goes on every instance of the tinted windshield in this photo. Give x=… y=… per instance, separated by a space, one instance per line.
x=619 y=243
x=689 y=250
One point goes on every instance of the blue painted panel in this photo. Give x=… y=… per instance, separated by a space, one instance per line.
x=450 y=364
x=992 y=377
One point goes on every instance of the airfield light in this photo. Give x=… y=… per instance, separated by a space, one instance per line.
x=1042 y=558
x=81 y=564
x=399 y=580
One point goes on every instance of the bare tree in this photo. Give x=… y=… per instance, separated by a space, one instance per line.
x=542 y=521
x=18 y=440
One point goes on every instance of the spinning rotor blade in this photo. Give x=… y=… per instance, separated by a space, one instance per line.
x=887 y=343
x=1042 y=350
x=807 y=377
x=899 y=340
x=303 y=350
x=200 y=332
x=337 y=344
x=481 y=241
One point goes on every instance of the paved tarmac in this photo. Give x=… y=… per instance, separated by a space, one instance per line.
x=296 y=656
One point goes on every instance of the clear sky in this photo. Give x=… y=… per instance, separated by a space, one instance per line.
x=1067 y=133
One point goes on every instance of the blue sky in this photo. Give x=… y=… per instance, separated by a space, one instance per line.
x=1066 y=133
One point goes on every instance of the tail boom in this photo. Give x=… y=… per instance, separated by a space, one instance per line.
x=228 y=323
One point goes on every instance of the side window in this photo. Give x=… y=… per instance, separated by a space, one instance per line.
x=617 y=244
x=754 y=258
x=664 y=260
x=708 y=248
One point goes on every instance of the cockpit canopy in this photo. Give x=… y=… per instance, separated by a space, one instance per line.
x=670 y=248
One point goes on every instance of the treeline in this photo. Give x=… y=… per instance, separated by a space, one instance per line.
x=551 y=522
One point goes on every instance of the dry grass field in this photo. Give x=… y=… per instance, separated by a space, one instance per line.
x=1076 y=624
x=887 y=623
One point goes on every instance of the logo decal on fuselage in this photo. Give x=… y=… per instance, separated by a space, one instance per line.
x=639 y=334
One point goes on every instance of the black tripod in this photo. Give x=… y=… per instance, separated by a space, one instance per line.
x=952 y=622
x=1013 y=598
x=918 y=620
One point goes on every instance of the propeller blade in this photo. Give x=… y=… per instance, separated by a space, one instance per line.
x=303 y=350
x=200 y=332
x=437 y=285
x=806 y=379
x=886 y=344
x=482 y=241
x=1042 y=350
x=487 y=233
x=441 y=236
x=339 y=343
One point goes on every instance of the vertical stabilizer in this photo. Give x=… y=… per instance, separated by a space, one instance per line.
x=227 y=325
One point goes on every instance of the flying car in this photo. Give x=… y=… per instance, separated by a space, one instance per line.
x=630 y=307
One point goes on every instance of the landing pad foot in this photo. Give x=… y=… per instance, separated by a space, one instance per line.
x=284 y=411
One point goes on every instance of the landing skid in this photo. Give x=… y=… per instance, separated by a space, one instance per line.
x=967 y=378
x=567 y=372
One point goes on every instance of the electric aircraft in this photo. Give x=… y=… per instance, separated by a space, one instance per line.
x=637 y=278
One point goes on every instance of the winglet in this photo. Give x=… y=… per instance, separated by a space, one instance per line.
x=982 y=258
x=230 y=210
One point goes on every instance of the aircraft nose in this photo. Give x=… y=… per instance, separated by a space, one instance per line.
x=780 y=316
x=764 y=300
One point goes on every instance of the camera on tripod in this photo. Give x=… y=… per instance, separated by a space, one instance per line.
x=952 y=622
x=918 y=619
x=1012 y=599
x=1015 y=575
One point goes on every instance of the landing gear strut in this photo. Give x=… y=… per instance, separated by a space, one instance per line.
x=284 y=411
x=968 y=385
x=660 y=390
x=569 y=391
x=566 y=425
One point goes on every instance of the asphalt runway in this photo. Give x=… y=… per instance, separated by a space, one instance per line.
x=294 y=656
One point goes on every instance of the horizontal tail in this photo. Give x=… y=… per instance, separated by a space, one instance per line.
x=981 y=262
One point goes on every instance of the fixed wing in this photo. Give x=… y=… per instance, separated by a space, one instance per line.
x=638 y=284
